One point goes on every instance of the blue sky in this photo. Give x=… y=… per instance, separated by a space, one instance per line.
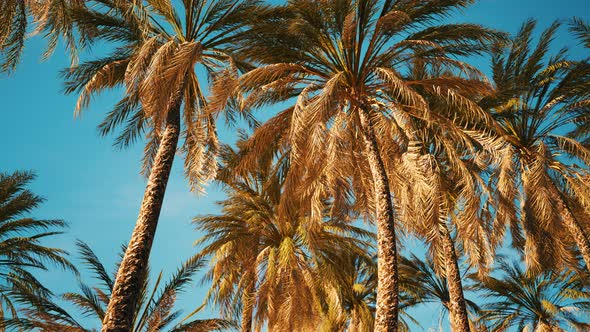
x=98 y=189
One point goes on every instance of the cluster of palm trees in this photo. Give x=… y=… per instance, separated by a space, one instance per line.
x=384 y=130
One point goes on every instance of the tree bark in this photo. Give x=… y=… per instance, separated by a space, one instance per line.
x=544 y=327
x=133 y=268
x=457 y=308
x=573 y=226
x=248 y=306
x=386 y=317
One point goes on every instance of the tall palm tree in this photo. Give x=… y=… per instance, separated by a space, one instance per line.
x=540 y=187
x=270 y=269
x=53 y=18
x=21 y=242
x=544 y=302
x=155 y=313
x=162 y=55
x=344 y=62
x=440 y=193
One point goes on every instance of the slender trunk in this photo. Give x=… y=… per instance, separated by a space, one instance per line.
x=386 y=316
x=573 y=226
x=248 y=306
x=457 y=307
x=126 y=292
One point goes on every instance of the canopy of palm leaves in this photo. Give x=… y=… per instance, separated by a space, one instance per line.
x=52 y=18
x=439 y=180
x=276 y=266
x=535 y=302
x=156 y=311
x=540 y=182
x=161 y=52
x=21 y=243
x=330 y=57
x=380 y=104
x=345 y=66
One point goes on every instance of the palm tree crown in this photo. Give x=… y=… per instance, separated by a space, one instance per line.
x=21 y=247
x=536 y=104
x=537 y=302
x=165 y=52
x=346 y=65
x=273 y=267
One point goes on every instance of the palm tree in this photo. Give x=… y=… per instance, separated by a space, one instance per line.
x=440 y=193
x=535 y=302
x=424 y=284
x=344 y=62
x=155 y=312
x=272 y=269
x=157 y=63
x=21 y=247
x=53 y=18
x=537 y=102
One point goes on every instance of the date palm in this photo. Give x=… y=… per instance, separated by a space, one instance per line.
x=544 y=302
x=21 y=242
x=344 y=62
x=541 y=188
x=271 y=269
x=156 y=311
x=52 y=18
x=440 y=194
x=163 y=51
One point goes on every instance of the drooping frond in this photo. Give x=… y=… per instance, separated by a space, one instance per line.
x=21 y=18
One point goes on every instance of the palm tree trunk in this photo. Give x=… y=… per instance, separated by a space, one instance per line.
x=457 y=308
x=248 y=306
x=544 y=327
x=386 y=317
x=576 y=230
x=126 y=292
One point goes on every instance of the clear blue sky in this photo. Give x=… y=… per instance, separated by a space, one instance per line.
x=98 y=189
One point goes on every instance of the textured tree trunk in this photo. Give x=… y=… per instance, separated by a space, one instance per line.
x=126 y=292
x=248 y=306
x=573 y=226
x=544 y=327
x=457 y=307
x=386 y=316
